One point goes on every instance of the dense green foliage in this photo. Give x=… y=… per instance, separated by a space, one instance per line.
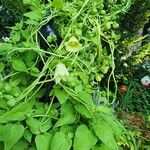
x=10 y=13
x=80 y=112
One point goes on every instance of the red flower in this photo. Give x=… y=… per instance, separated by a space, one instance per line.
x=122 y=89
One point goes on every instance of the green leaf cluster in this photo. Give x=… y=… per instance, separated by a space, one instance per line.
x=71 y=119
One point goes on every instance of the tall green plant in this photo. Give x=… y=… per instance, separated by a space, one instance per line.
x=76 y=66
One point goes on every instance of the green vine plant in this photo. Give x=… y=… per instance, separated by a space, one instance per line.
x=73 y=118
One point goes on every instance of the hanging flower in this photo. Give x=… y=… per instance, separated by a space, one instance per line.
x=73 y=45
x=61 y=73
x=146 y=81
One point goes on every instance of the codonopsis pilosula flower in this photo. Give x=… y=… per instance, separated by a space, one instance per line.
x=61 y=73
x=73 y=45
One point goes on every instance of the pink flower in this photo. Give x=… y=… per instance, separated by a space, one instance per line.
x=145 y=81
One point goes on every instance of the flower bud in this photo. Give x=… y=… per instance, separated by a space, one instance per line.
x=61 y=73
